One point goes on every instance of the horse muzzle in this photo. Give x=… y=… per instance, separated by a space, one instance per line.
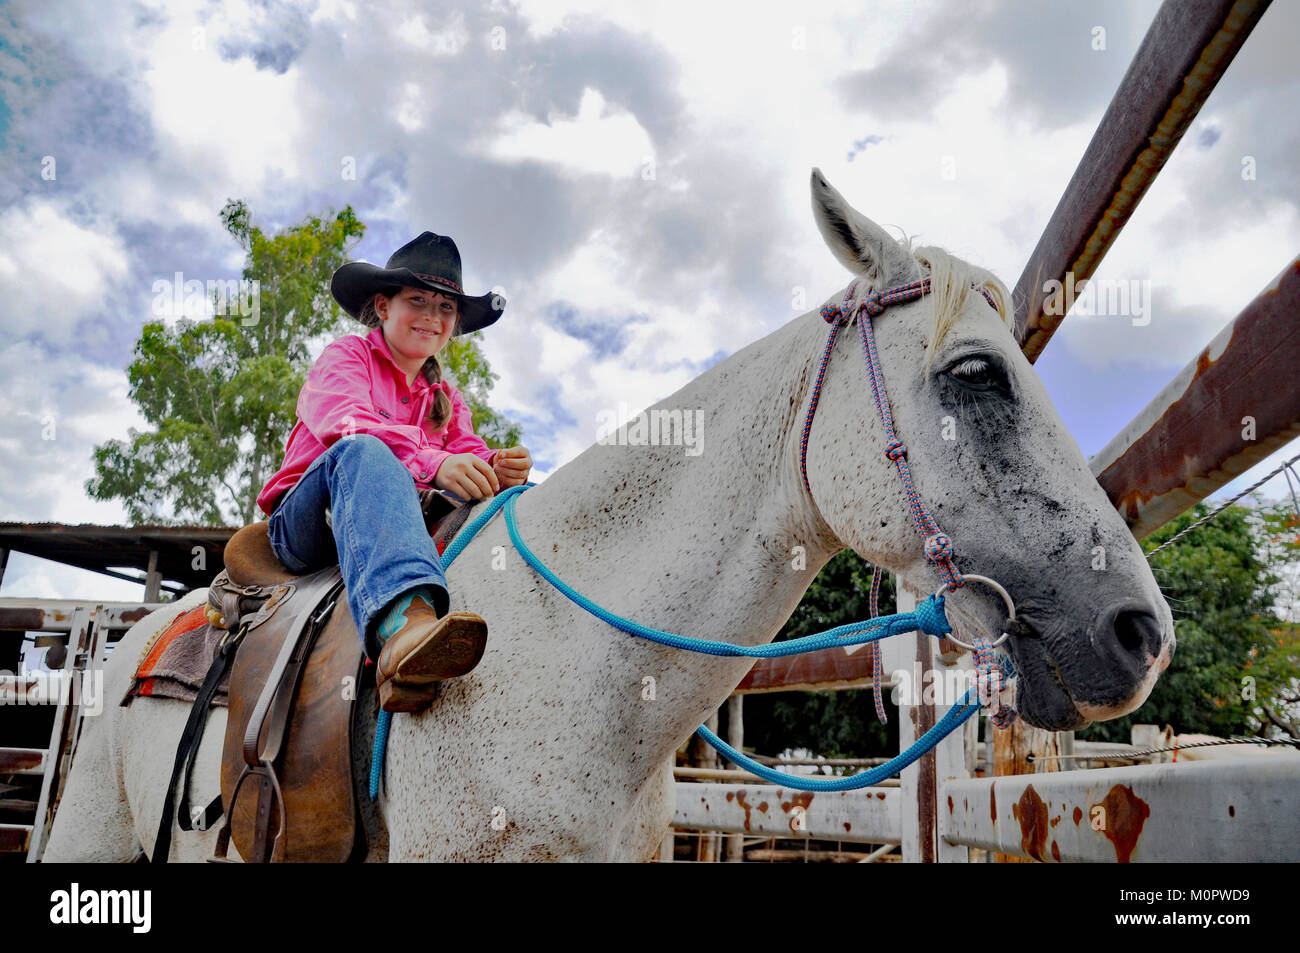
x=1108 y=671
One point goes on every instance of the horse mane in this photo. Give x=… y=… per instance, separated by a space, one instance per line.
x=951 y=281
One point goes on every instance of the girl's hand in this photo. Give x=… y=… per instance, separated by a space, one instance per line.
x=512 y=465
x=466 y=475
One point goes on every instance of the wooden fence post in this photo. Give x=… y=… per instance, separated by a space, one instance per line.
x=1012 y=747
x=736 y=738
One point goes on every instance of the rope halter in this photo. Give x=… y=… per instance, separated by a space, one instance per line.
x=937 y=545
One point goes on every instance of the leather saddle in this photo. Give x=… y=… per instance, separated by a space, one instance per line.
x=286 y=766
x=287 y=763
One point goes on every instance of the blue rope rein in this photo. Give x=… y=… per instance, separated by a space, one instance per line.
x=928 y=617
x=448 y=557
x=955 y=717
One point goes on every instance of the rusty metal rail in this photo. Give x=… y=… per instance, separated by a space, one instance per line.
x=1232 y=406
x=1183 y=56
x=868 y=816
x=55 y=615
x=830 y=669
x=1222 y=811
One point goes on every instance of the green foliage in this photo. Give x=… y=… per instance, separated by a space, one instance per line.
x=834 y=724
x=1279 y=534
x=472 y=375
x=1217 y=584
x=1274 y=671
x=221 y=394
x=1275 y=667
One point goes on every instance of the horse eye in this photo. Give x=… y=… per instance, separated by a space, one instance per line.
x=977 y=373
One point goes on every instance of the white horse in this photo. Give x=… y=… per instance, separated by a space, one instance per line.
x=552 y=749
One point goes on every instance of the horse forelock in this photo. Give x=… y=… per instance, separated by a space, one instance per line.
x=952 y=281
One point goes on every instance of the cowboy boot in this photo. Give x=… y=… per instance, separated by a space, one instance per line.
x=424 y=651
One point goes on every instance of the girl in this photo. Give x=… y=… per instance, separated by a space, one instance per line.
x=376 y=424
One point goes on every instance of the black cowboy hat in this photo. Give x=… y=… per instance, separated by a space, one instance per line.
x=431 y=262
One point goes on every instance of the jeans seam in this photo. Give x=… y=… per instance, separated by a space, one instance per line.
x=350 y=535
x=311 y=466
x=301 y=566
x=282 y=548
x=342 y=462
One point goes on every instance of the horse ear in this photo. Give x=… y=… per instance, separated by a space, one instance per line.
x=862 y=246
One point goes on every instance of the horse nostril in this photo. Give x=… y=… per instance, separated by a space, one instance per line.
x=1128 y=631
x=1135 y=632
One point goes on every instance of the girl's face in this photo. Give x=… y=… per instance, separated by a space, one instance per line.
x=417 y=323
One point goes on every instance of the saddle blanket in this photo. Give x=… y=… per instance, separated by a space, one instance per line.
x=176 y=662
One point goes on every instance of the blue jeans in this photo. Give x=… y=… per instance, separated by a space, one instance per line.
x=378 y=536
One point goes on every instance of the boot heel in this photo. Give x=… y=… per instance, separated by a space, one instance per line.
x=395 y=697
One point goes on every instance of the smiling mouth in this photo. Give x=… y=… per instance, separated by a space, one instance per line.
x=426 y=333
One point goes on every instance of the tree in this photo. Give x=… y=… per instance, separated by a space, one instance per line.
x=841 y=724
x=221 y=393
x=1274 y=669
x=474 y=379
x=1279 y=533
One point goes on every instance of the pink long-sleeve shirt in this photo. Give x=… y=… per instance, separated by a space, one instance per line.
x=355 y=386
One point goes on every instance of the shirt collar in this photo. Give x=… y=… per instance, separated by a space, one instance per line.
x=380 y=344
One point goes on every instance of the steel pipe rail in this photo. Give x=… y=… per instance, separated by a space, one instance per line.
x=1232 y=406
x=1207 y=810
x=1183 y=56
x=869 y=816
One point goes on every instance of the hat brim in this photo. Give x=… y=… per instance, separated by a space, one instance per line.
x=356 y=282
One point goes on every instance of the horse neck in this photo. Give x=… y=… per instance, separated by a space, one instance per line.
x=721 y=545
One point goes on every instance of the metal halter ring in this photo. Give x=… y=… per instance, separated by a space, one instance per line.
x=996 y=587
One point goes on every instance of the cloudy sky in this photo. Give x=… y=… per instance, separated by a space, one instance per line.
x=634 y=176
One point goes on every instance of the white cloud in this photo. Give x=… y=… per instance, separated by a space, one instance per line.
x=139 y=195
x=327 y=10
x=749 y=104
x=53 y=411
x=1199 y=281
x=410 y=108
x=598 y=139
x=226 y=121
x=54 y=271
x=110 y=413
x=30 y=577
x=450 y=41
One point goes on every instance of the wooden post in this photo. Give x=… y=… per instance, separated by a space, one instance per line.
x=706 y=850
x=918 y=654
x=736 y=738
x=1012 y=747
x=152 y=579
x=911 y=654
